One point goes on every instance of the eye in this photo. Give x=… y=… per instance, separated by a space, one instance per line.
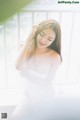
x=50 y=39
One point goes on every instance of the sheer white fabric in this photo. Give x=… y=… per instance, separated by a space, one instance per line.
x=37 y=90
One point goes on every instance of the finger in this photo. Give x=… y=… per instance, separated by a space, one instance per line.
x=35 y=26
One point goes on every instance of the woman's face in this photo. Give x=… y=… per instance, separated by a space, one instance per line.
x=45 y=38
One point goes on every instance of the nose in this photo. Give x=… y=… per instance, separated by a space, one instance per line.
x=43 y=40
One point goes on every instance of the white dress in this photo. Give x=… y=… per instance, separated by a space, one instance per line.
x=38 y=90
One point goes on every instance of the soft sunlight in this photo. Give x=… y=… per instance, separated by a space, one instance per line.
x=14 y=33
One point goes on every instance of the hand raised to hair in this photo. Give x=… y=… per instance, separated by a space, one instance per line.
x=29 y=44
x=34 y=30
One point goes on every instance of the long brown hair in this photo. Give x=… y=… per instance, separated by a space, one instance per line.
x=56 y=44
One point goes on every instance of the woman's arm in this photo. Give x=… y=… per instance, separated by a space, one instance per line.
x=25 y=49
x=21 y=57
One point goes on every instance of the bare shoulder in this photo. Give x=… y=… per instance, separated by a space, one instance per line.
x=55 y=56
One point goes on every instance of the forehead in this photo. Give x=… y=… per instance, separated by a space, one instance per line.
x=48 y=31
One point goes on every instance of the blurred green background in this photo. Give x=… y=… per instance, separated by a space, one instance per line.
x=10 y=7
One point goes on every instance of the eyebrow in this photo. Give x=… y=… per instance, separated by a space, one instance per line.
x=42 y=32
x=49 y=37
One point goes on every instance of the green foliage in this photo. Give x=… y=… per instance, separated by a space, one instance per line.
x=11 y=7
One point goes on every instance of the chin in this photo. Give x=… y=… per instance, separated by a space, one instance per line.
x=41 y=47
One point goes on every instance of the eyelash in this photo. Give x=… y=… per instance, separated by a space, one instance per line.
x=49 y=40
x=43 y=36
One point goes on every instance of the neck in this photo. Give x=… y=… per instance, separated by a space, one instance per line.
x=42 y=51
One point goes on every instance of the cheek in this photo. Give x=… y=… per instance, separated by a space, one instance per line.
x=39 y=38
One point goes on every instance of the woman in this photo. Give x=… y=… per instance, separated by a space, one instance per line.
x=37 y=63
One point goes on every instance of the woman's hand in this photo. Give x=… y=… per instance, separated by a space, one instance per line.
x=34 y=30
x=30 y=41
